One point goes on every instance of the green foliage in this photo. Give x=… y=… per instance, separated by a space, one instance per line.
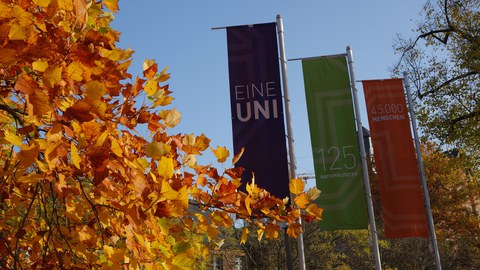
x=444 y=63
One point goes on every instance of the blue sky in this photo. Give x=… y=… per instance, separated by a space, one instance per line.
x=178 y=34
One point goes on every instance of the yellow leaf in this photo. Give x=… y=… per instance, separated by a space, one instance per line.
x=248 y=203
x=313 y=194
x=116 y=149
x=17 y=32
x=52 y=75
x=182 y=261
x=95 y=90
x=165 y=167
x=151 y=87
x=111 y=4
x=74 y=155
x=243 y=240
x=156 y=149
x=40 y=65
x=30 y=178
x=183 y=196
x=13 y=138
x=75 y=71
x=260 y=233
x=301 y=200
x=42 y=3
x=221 y=153
x=66 y=5
x=163 y=75
x=5 y=10
x=168 y=192
x=296 y=186
x=42 y=166
x=102 y=138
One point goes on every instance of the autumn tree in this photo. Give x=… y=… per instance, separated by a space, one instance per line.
x=454 y=196
x=443 y=60
x=79 y=188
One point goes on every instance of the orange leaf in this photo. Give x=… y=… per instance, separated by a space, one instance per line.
x=7 y=57
x=314 y=210
x=38 y=104
x=201 y=180
x=171 y=118
x=151 y=70
x=95 y=90
x=301 y=200
x=238 y=156
x=294 y=230
x=30 y=178
x=25 y=84
x=80 y=111
x=272 y=231
x=212 y=232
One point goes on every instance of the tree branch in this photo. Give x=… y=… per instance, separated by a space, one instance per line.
x=464 y=117
x=15 y=113
x=447 y=82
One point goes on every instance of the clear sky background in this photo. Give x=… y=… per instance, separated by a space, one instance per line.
x=178 y=34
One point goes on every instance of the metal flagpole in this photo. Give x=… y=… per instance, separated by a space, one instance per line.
x=291 y=152
x=366 y=179
x=426 y=197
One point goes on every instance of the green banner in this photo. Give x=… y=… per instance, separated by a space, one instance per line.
x=336 y=158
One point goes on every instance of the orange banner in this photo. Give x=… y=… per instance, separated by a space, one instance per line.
x=403 y=209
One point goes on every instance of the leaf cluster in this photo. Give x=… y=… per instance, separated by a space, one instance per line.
x=79 y=187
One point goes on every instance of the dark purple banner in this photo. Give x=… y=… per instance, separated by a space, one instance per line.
x=257 y=108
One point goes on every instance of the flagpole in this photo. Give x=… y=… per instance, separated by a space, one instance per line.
x=426 y=195
x=291 y=152
x=366 y=179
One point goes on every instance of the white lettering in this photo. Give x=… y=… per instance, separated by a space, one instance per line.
x=252 y=91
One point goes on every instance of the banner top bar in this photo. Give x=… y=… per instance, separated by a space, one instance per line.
x=225 y=27
x=318 y=57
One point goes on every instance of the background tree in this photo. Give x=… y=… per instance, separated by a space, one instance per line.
x=443 y=61
x=79 y=188
x=454 y=196
x=444 y=64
